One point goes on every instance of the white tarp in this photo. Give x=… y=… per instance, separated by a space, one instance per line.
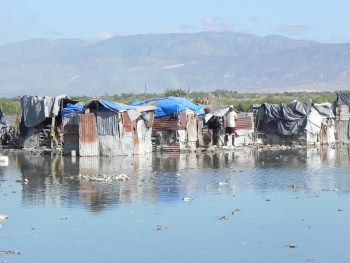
x=314 y=120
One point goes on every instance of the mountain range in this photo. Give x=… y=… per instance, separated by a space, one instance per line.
x=204 y=61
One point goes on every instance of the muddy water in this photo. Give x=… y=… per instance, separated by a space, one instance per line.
x=247 y=206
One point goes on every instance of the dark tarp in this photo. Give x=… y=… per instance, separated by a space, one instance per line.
x=343 y=98
x=284 y=119
x=35 y=109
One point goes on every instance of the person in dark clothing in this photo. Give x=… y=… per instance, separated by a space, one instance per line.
x=215 y=124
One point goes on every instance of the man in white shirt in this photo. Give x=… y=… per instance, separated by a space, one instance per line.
x=231 y=117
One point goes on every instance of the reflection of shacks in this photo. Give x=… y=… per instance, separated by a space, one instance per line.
x=107 y=128
x=282 y=123
x=176 y=126
x=342 y=116
x=216 y=122
x=320 y=124
x=41 y=120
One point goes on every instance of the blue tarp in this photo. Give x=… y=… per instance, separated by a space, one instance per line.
x=169 y=105
x=70 y=108
x=102 y=104
x=114 y=106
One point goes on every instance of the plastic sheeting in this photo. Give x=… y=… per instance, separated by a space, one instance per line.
x=169 y=105
x=108 y=105
x=343 y=98
x=72 y=108
x=35 y=109
x=289 y=118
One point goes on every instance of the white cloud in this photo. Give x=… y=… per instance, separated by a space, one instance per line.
x=217 y=24
x=108 y=35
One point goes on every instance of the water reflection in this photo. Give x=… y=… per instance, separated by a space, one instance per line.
x=160 y=178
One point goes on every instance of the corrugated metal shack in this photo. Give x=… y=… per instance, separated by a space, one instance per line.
x=342 y=116
x=176 y=125
x=320 y=127
x=282 y=124
x=41 y=123
x=108 y=128
x=216 y=122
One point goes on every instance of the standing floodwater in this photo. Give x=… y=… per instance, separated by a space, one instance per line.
x=245 y=206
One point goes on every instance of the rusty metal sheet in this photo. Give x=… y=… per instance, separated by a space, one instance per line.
x=88 y=142
x=245 y=122
x=323 y=136
x=166 y=123
x=183 y=119
x=171 y=148
x=127 y=122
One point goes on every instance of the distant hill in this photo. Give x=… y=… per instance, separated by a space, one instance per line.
x=203 y=61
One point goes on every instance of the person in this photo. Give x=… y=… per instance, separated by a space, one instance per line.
x=230 y=129
x=215 y=124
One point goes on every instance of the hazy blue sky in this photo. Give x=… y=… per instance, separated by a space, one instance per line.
x=320 y=20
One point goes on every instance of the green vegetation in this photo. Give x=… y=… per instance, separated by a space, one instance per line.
x=175 y=93
x=243 y=102
x=10 y=106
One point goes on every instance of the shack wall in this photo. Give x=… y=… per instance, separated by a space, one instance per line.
x=342 y=130
x=108 y=133
x=70 y=133
x=88 y=141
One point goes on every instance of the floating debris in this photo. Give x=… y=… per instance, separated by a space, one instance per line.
x=105 y=178
x=223 y=218
x=9 y=252
x=234 y=211
x=291 y=245
x=24 y=181
x=160 y=228
x=3 y=218
x=4 y=160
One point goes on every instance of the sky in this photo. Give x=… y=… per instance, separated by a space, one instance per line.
x=95 y=20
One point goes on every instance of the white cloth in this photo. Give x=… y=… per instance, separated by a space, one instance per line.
x=231 y=119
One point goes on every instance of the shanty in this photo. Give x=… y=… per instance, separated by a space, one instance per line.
x=173 y=124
